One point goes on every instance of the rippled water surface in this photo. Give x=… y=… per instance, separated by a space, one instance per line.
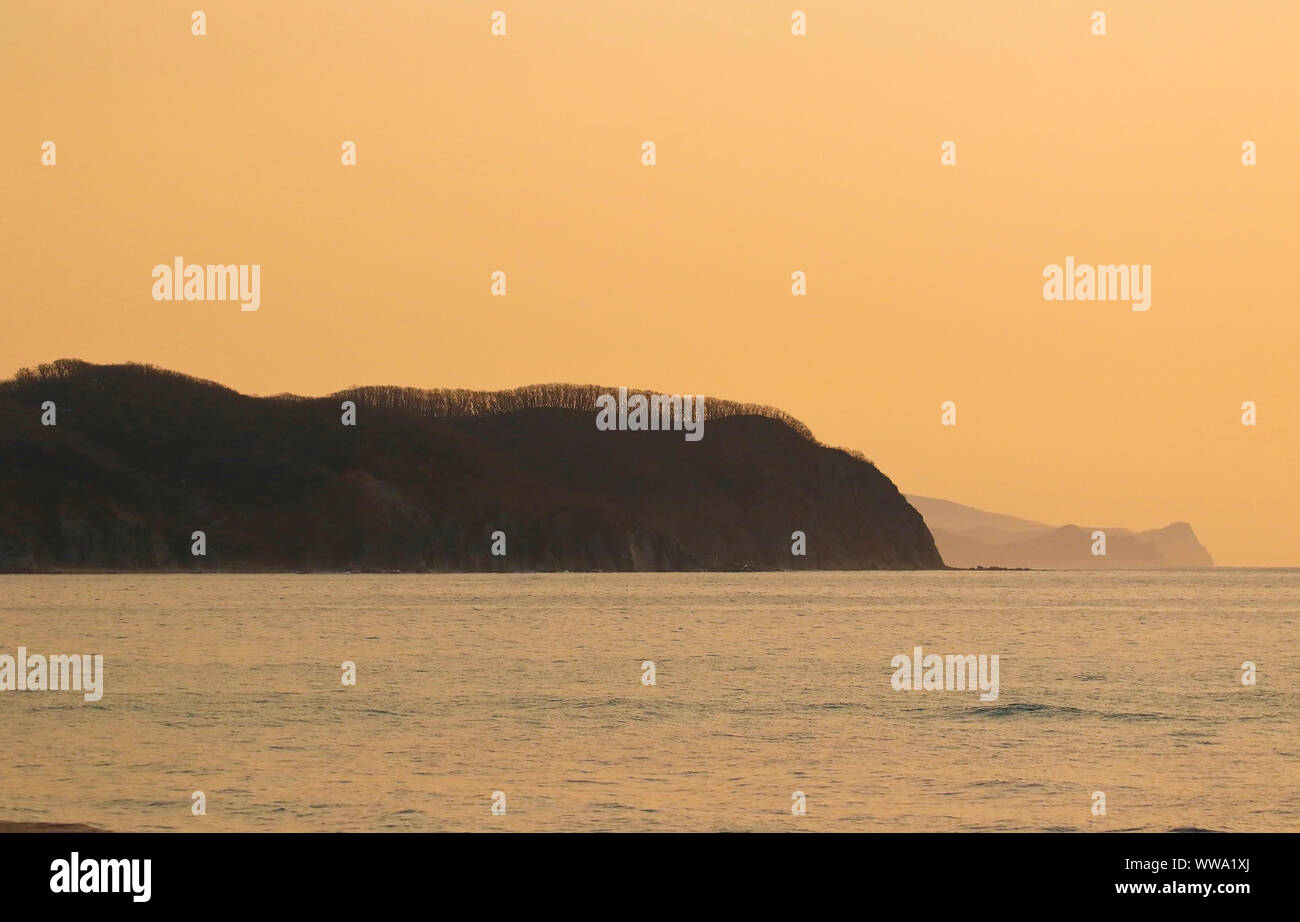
x=1122 y=682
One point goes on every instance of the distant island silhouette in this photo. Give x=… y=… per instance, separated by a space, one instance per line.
x=140 y=458
x=969 y=537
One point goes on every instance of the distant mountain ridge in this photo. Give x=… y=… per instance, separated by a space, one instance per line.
x=970 y=537
x=141 y=458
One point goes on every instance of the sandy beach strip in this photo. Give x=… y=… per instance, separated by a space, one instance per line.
x=6 y=826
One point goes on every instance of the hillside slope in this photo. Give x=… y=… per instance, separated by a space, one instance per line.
x=141 y=458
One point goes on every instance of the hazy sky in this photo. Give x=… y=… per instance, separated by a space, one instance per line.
x=776 y=153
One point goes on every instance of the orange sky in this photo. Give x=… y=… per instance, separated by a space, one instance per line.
x=775 y=153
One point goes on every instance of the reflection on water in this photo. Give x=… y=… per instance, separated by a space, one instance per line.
x=1122 y=682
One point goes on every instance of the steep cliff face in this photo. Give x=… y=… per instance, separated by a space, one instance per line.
x=140 y=459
